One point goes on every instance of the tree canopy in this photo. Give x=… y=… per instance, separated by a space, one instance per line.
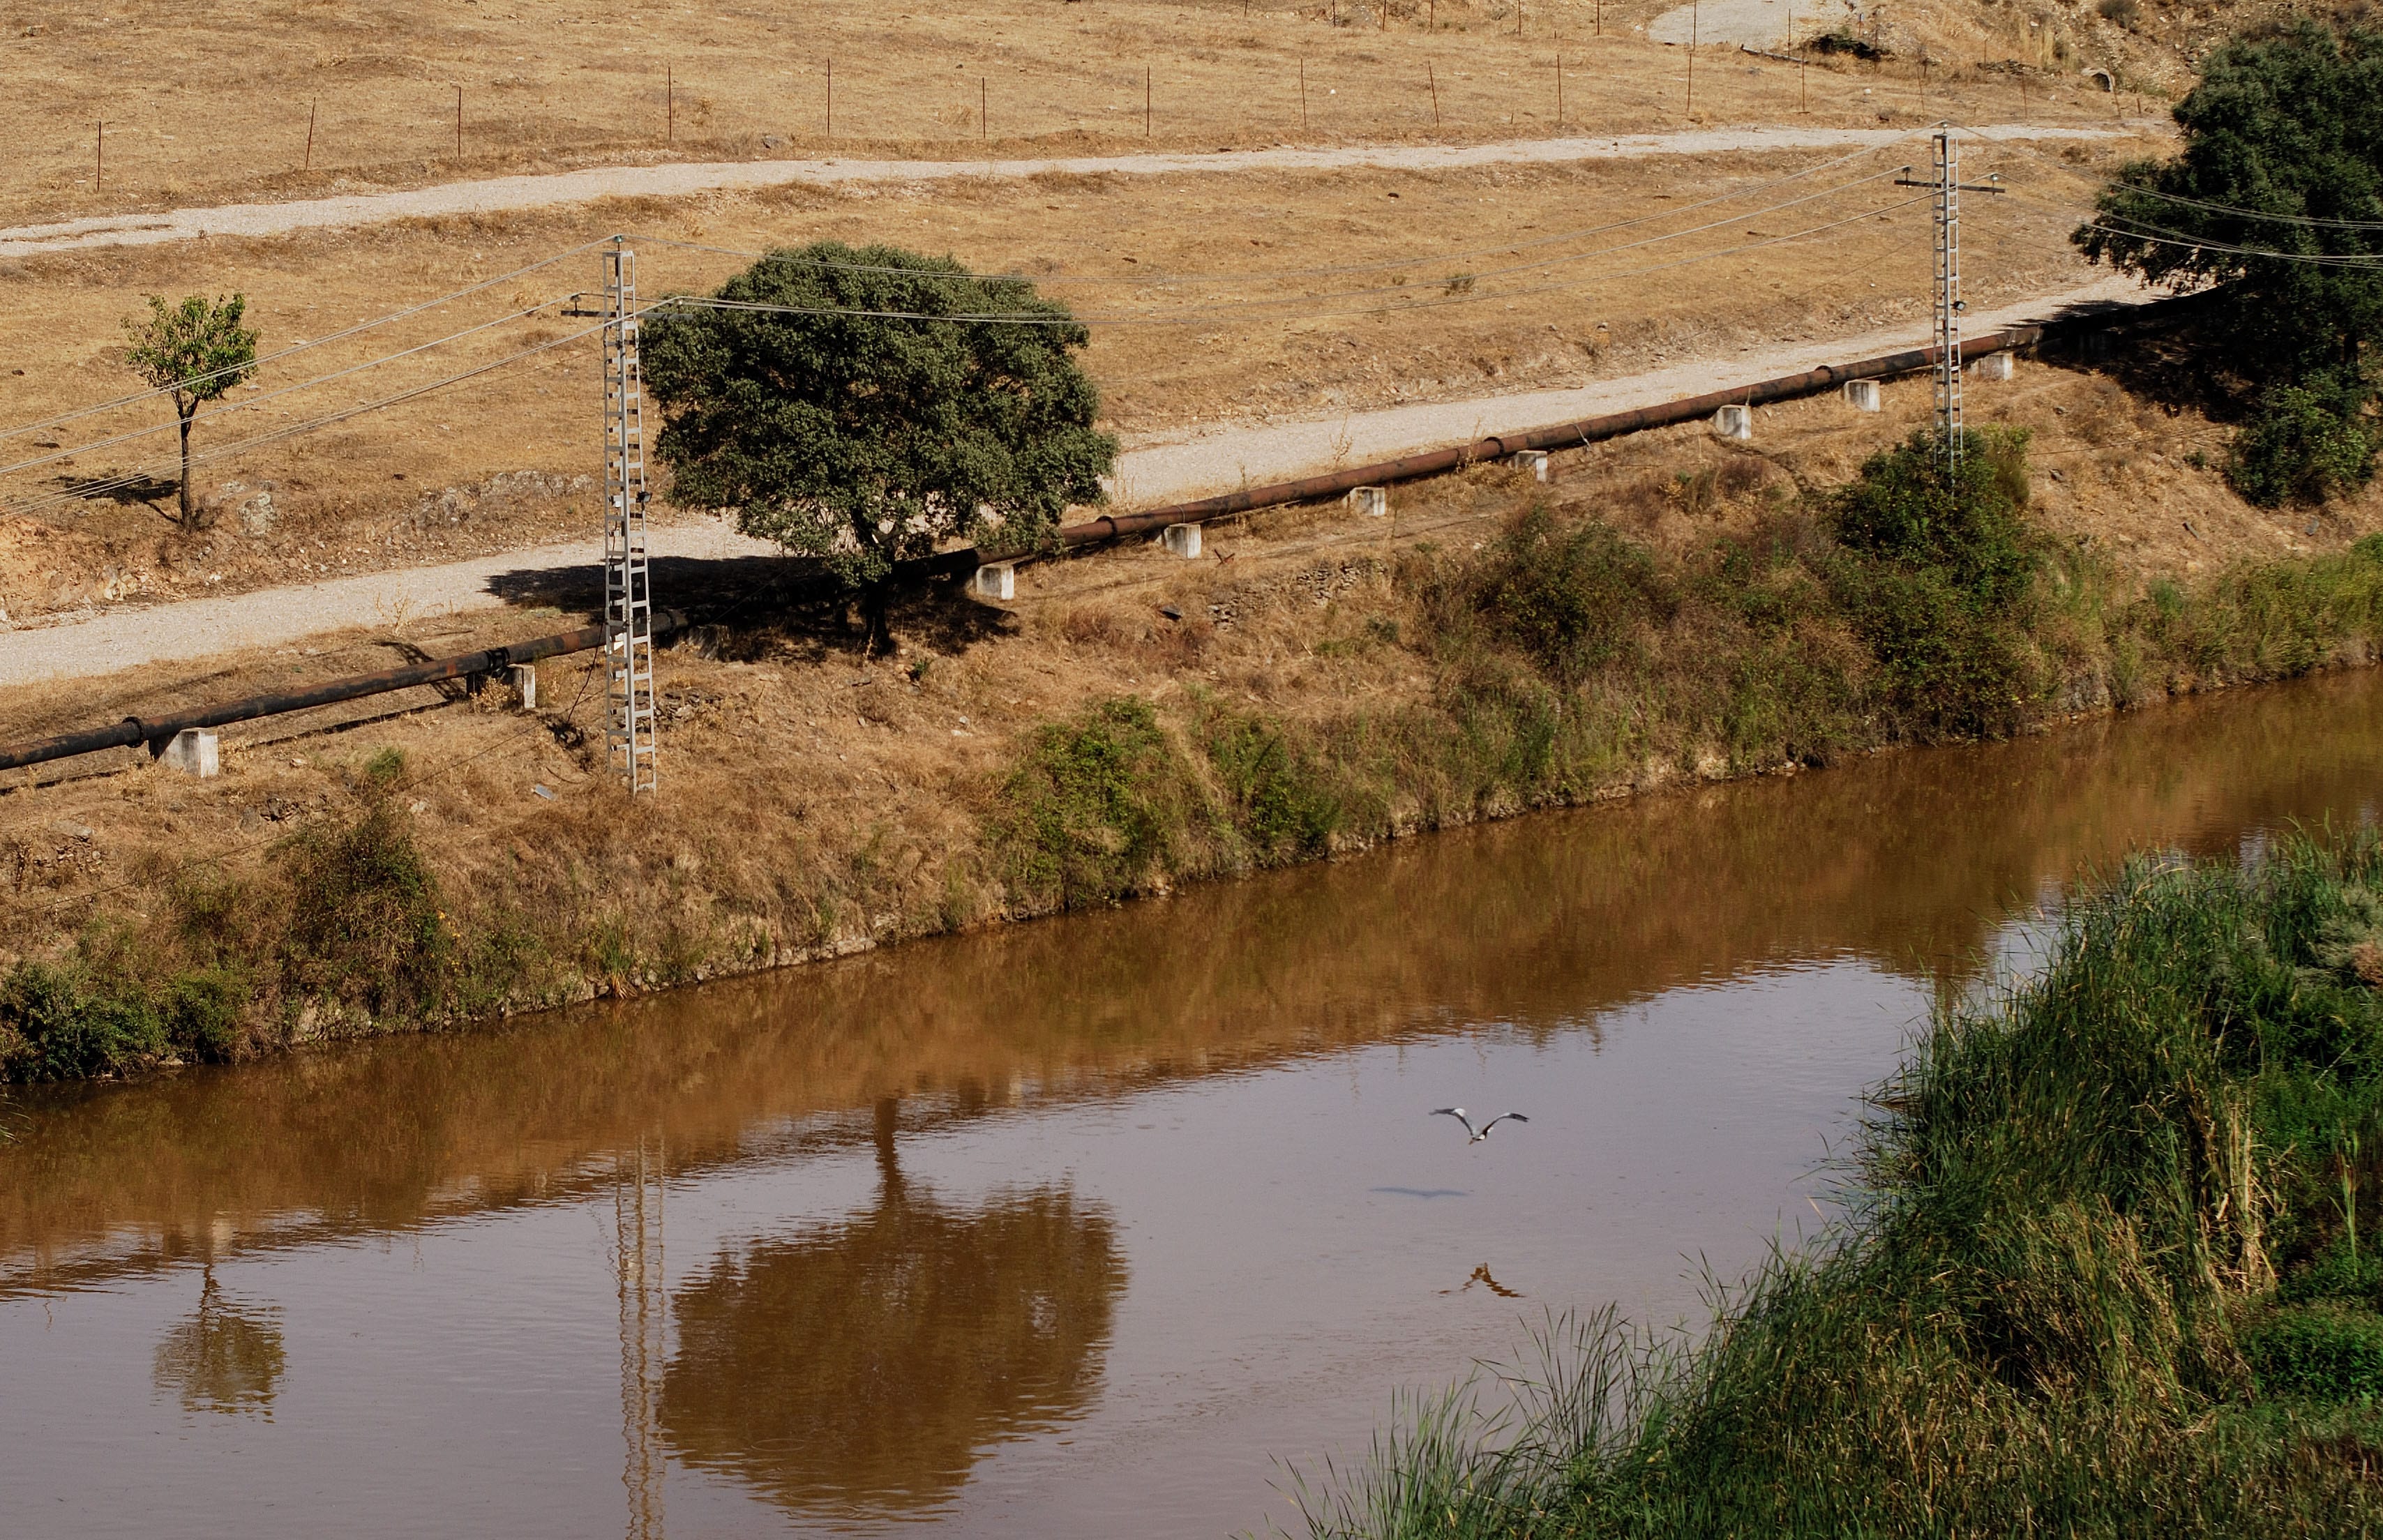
x=872 y=402
x=2277 y=191
x=195 y=351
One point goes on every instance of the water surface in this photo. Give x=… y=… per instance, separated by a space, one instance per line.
x=1070 y=1229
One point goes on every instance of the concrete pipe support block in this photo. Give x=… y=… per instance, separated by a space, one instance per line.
x=1993 y=366
x=1733 y=422
x=524 y=679
x=996 y=579
x=1182 y=540
x=1862 y=395
x=193 y=752
x=1533 y=460
x=1374 y=502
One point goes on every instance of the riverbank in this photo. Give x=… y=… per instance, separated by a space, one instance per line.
x=2103 y=1272
x=1669 y=609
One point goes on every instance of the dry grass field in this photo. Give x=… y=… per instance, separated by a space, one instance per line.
x=207 y=100
x=891 y=765
x=1479 y=282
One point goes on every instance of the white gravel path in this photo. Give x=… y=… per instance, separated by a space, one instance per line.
x=1147 y=473
x=1758 y=23
x=1156 y=472
x=500 y=194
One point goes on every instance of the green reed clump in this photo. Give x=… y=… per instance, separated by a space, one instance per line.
x=104 y=1008
x=1102 y=806
x=345 y=920
x=2062 y=1302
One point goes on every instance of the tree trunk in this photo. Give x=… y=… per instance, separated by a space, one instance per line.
x=190 y=519
x=875 y=603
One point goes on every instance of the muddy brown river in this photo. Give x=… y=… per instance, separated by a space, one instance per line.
x=1081 y=1229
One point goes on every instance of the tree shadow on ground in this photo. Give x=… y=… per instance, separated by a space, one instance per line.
x=2168 y=357
x=772 y=607
x=126 y=491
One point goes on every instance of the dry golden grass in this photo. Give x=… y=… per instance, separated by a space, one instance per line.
x=858 y=786
x=209 y=102
x=413 y=482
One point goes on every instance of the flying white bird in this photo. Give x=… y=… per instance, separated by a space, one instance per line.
x=1477 y=1135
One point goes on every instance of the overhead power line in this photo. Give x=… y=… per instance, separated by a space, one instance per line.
x=343 y=333
x=89 y=446
x=84 y=491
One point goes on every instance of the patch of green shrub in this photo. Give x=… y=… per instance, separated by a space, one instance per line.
x=202 y=1009
x=1947 y=665
x=1575 y=596
x=365 y=928
x=1100 y=808
x=71 y=1031
x=1275 y=789
x=2305 y=445
x=1914 y=506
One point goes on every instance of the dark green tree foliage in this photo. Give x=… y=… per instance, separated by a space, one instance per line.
x=848 y=426
x=2304 y=446
x=2277 y=194
x=2288 y=127
x=1914 y=505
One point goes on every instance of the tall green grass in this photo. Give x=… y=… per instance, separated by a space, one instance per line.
x=2099 y=1276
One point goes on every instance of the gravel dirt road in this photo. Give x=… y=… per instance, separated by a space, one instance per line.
x=503 y=194
x=1147 y=473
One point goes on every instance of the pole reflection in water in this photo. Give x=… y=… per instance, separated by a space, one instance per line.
x=858 y=1369
x=1168 y=1202
x=638 y=1262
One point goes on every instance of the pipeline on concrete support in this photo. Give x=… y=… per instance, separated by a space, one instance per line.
x=155 y=732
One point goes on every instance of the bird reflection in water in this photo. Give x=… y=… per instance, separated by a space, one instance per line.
x=222 y=1357
x=858 y=1369
x=1481 y=1276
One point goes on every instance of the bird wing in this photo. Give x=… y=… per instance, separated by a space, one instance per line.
x=1456 y=1113
x=1503 y=1117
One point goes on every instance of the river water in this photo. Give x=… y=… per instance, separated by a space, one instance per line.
x=1075 y=1228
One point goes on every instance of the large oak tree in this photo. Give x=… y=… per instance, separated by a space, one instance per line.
x=866 y=405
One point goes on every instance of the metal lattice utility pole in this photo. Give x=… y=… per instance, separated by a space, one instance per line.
x=629 y=603
x=1945 y=182
x=1948 y=293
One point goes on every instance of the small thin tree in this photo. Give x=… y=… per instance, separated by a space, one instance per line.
x=863 y=405
x=196 y=351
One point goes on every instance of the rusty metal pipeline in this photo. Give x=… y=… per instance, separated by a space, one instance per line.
x=1561 y=436
x=155 y=733
x=158 y=730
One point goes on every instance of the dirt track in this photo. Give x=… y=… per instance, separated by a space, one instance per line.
x=1146 y=474
x=505 y=194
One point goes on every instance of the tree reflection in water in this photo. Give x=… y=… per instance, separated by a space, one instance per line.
x=863 y=1365
x=221 y=1358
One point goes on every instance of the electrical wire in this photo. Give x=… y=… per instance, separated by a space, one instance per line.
x=313 y=342
x=2306 y=219
x=1244 y=306
x=69 y=452
x=1208 y=316
x=86 y=447
x=84 y=491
